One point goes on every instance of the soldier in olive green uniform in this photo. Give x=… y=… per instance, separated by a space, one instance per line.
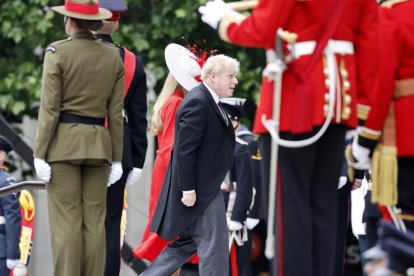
x=73 y=147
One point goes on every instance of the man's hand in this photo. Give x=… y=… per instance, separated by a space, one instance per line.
x=212 y=12
x=234 y=225
x=189 y=198
x=134 y=176
x=43 y=169
x=115 y=173
x=12 y=263
x=251 y=223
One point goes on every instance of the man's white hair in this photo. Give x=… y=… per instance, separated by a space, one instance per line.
x=217 y=64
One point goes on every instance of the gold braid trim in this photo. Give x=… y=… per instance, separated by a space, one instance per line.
x=406 y=217
x=384 y=175
x=369 y=134
x=363 y=111
x=226 y=20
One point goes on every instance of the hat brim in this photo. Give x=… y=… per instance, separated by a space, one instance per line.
x=101 y=15
x=182 y=65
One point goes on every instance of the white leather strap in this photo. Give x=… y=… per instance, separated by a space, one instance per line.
x=304 y=48
x=2 y=220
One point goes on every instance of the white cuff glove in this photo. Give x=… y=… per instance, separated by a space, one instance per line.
x=234 y=225
x=212 y=12
x=43 y=169
x=12 y=263
x=115 y=173
x=134 y=176
x=360 y=153
x=189 y=198
x=251 y=223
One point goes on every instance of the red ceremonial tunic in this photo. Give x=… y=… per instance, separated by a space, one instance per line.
x=357 y=25
x=152 y=244
x=396 y=75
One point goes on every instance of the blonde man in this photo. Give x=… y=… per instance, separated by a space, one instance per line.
x=191 y=204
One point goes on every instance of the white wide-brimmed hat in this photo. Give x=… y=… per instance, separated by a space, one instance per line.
x=183 y=65
x=83 y=9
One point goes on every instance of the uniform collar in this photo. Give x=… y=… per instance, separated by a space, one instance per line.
x=83 y=34
x=105 y=37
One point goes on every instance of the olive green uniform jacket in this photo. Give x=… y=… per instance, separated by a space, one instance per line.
x=82 y=76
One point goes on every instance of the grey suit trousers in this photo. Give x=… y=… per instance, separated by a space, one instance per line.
x=208 y=237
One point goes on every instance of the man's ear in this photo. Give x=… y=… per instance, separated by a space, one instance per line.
x=213 y=76
x=116 y=27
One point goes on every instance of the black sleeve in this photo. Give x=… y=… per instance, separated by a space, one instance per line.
x=136 y=109
x=243 y=172
x=191 y=122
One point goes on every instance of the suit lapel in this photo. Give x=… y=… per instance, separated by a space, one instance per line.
x=213 y=103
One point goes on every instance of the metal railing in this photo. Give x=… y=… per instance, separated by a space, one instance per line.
x=24 y=185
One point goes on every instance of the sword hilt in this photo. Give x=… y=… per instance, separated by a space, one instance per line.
x=284 y=36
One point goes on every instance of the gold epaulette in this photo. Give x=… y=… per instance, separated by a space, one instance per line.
x=390 y=3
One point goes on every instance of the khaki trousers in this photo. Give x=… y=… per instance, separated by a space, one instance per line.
x=77 y=206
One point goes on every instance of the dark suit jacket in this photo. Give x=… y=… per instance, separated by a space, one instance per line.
x=201 y=157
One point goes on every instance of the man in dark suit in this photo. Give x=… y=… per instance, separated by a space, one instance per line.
x=191 y=204
x=135 y=135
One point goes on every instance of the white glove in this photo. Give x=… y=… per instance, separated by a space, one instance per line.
x=189 y=198
x=134 y=176
x=360 y=153
x=212 y=12
x=115 y=173
x=43 y=169
x=234 y=225
x=251 y=223
x=12 y=263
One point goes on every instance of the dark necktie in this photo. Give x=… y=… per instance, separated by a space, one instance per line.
x=226 y=119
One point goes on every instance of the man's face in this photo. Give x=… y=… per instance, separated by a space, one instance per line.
x=225 y=82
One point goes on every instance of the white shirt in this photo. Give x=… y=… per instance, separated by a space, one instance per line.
x=213 y=94
x=217 y=100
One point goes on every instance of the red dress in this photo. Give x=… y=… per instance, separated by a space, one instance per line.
x=152 y=244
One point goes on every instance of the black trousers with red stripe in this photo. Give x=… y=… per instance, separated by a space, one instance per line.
x=307 y=204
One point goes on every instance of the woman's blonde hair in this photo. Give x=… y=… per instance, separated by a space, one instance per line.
x=168 y=89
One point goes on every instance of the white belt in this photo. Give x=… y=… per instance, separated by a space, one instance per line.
x=2 y=220
x=306 y=48
x=335 y=46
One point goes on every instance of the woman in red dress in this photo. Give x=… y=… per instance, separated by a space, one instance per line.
x=185 y=69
